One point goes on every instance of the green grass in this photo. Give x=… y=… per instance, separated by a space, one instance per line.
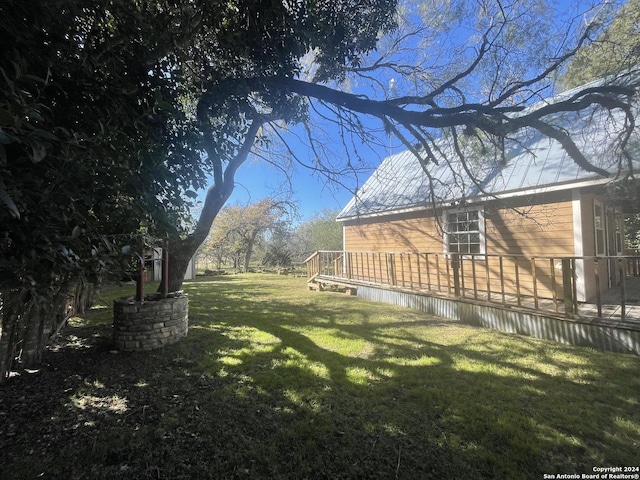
x=276 y=382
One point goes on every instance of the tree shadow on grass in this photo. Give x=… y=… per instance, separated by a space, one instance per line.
x=270 y=387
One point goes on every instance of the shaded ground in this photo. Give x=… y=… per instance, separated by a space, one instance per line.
x=274 y=382
x=35 y=418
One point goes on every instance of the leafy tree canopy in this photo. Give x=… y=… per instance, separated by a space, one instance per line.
x=320 y=232
x=614 y=50
x=108 y=107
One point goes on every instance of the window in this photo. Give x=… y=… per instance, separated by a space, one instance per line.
x=464 y=231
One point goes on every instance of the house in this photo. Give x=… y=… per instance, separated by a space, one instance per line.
x=532 y=201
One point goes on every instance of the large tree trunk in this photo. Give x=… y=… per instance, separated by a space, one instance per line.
x=83 y=296
x=26 y=326
x=249 y=252
x=181 y=251
x=42 y=321
x=179 y=257
x=35 y=338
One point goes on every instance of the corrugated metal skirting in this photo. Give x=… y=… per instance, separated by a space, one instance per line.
x=508 y=320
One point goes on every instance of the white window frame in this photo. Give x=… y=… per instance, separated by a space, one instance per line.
x=448 y=232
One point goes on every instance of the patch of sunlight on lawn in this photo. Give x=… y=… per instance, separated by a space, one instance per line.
x=338 y=341
x=393 y=429
x=631 y=427
x=362 y=376
x=252 y=341
x=466 y=364
x=298 y=360
x=533 y=390
x=250 y=334
x=113 y=403
x=630 y=400
x=230 y=361
x=76 y=321
x=423 y=361
x=303 y=400
x=555 y=437
x=560 y=365
x=384 y=372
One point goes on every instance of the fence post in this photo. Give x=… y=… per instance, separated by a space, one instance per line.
x=567 y=277
x=455 y=265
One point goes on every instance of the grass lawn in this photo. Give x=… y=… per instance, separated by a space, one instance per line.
x=276 y=382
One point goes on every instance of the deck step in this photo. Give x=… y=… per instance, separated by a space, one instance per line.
x=323 y=284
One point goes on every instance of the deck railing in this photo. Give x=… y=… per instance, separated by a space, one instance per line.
x=555 y=284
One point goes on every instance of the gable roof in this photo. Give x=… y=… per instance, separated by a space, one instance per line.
x=532 y=163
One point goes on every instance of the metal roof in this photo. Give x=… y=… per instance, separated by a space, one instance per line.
x=532 y=161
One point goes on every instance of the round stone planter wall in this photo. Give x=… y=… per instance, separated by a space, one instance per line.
x=150 y=324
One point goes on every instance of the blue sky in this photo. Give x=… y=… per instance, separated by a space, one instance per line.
x=311 y=192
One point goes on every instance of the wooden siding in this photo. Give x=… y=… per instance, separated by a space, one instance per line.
x=544 y=229
x=510 y=229
x=415 y=232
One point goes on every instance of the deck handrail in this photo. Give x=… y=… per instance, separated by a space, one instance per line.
x=549 y=283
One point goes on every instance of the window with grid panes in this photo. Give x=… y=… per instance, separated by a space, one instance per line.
x=464 y=231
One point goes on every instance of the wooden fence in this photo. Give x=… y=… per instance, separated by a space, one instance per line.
x=542 y=283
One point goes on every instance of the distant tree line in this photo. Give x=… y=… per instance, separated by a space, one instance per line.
x=265 y=234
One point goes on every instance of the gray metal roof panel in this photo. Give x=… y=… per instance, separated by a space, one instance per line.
x=532 y=161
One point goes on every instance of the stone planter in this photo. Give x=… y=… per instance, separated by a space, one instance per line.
x=152 y=323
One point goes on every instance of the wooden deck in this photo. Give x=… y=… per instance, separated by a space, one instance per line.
x=616 y=307
x=612 y=306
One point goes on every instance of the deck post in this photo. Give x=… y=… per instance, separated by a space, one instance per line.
x=534 y=279
x=473 y=275
x=596 y=267
x=567 y=277
x=391 y=273
x=455 y=266
x=552 y=270
x=517 y=274
x=623 y=277
x=348 y=264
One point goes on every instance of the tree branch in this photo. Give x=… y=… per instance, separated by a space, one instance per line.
x=569 y=146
